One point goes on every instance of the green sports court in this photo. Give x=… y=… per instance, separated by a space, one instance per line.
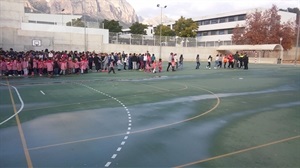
x=186 y=118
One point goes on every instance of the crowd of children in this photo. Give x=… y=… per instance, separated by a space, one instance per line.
x=55 y=63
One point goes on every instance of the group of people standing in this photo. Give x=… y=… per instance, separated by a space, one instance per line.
x=238 y=60
x=55 y=63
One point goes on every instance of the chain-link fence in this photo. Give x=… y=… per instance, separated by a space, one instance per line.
x=171 y=41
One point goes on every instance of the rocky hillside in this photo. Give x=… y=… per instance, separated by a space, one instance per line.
x=119 y=10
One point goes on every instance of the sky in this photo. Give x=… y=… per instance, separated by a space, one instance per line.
x=199 y=8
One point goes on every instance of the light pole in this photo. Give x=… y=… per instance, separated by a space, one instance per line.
x=62 y=17
x=160 y=28
x=297 y=42
x=281 y=51
x=84 y=29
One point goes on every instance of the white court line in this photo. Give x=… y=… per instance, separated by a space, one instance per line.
x=42 y=92
x=107 y=164
x=22 y=106
x=129 y=120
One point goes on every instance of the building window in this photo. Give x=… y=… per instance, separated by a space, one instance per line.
x=205 y=33
x=241 y=17
x=214 y=32
x=222 y=20
x=230 y=31
x=221 y=32
x=214 y=21
x=231 y=19
x=210 y=43
x=206 y=22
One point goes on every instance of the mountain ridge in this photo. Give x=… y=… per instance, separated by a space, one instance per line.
x=119 y=10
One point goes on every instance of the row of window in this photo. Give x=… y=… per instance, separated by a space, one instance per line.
x=222 y=20
x=42 y=22
x=215 y=32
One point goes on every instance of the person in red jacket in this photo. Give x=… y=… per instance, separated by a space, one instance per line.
x=230 y=61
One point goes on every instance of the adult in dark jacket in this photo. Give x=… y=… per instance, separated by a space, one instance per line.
x=97 y=62
x=91 y=59
x=134 y=60
x=246 y=61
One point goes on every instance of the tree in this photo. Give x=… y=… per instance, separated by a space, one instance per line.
x=237 y=36
x=138 y=28
x=112 y=26
x=185 y=27
x=165 y=31
x=265 y=28
x=256 y=30
x=76 y=23
x=273 y=25
x=297 y=11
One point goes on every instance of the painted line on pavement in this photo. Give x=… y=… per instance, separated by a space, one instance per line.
x=21 y=132
x=129 y=120
x=240 y=151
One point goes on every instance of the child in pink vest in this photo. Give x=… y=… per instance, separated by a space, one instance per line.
x=70 y=65
x=9 y=66
x=76 y=66
x=14 y=67
x=49 y=65
x=19 y=67
x=83 y=65
x=25 y=66
x=1 y=67
x=63 y=66
x=159 y=65
x=147 y=67
x=154 y=66
x=40 y=66
x=34 y=66
x=173 y=63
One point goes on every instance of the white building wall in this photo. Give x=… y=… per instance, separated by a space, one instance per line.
x=51 y=18
x=285 y=16
x=11 y=12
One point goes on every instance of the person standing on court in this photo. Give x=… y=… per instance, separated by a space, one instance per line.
x=134 y=60
x=197 y=62
x=170 y=61
x=236 y=59
x=209 y=59
x=181 y=61
x=246 y=61
x=111 y=67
